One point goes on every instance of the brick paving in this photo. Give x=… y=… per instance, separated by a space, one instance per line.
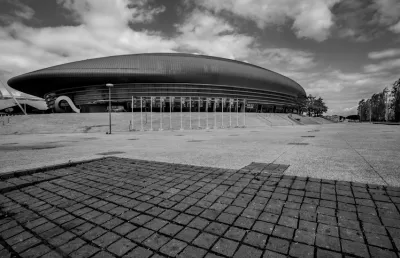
x=116 y=207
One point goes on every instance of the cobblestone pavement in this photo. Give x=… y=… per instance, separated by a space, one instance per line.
x=117 y=207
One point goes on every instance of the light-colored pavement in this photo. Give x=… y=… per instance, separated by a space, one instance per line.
x=365 y=153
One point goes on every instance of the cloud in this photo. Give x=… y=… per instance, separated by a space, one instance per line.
x=325 y=85
x=365 y=20
x=23 y=11
x=395 y=28
x=384 y=53
x=351 y=109
x=355 y=35
x=388 y=11
x=283 y=60
x=212 y=35
x=310 y=18
x=383 y=66
x=20 y=12
x=295 y=59
x=341 y=90
x=104 y=30
x=110 y=13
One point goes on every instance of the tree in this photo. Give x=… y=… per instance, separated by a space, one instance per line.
x=310 y=104
x=319 y=107
x=378 y=107
x=301 y=103
x=368 y=109
x=395 y=103
x=360 y=109
x=315 y=106
x=383 y=106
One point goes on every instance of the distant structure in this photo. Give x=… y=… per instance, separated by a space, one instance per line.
x=170 y=80
x=30 y=104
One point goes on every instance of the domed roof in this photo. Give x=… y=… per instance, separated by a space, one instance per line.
x=154 y=68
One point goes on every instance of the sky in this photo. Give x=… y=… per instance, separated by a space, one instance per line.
x=340 y=50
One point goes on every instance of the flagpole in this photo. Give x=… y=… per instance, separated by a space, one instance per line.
x=181 y=116
x=141 y=113
x=132 y=114
x=151 y=113
x=190 y=112
x=222 y=108
x=170 y=109
x=244 y=102
x=161 y=115
x=198 y=109
x=207 y=112
x=230 y=113
x=215 y=113
x=237 y=112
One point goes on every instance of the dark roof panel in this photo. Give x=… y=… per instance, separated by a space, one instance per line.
x=154 y=68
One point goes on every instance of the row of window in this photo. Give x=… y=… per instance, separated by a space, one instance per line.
x=149 y=88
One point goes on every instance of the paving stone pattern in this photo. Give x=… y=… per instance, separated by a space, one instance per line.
x=256 y=167
x=118 y=207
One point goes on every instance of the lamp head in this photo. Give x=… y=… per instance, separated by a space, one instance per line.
x=109 y=85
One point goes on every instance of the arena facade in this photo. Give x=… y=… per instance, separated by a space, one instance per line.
x=185 y=81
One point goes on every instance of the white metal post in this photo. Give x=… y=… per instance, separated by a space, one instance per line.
x=109 y=106
x=222 y=108
x=237 y=112
x=244 y=118
x=230 y=113
x=181 y=115
x=132 y=114
x=198 y=109
x=161 y=115
x=141 y=113
x=190 y=112
x=215 y=113
x=207 y=101
x=151 y=113
x=170 y=109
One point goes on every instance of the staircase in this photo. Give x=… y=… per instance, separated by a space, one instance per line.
x=322 y=120
x=121 y=122
x=305 y=120
x=277 y=119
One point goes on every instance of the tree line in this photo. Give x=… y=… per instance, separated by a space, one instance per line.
x=382 y=106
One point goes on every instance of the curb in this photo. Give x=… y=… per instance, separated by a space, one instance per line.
x=25 y=172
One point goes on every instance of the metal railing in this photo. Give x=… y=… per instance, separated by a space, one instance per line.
x=286 y=119
x=264 y=117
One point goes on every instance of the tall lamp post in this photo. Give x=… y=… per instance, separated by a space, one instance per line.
x=109 y=85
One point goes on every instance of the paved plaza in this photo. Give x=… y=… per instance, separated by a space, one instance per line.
x=118 y=207
x=364 y=153
x=297 y=191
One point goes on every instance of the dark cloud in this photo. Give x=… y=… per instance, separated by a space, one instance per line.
x=365 y=20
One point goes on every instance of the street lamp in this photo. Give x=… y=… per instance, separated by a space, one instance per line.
x=109 y=85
